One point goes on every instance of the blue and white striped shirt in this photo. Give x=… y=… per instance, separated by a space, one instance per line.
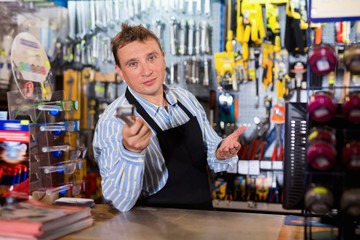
x=126 y=175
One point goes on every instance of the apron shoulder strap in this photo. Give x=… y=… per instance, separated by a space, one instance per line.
x=185 y=109
x=145 y=115
x=142 y=111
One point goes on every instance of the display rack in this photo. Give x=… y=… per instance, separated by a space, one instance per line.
x=54 y=156
x=331 y=168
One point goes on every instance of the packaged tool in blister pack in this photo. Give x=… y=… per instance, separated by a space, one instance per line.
x=14 y=158
x=86 y=109
x=72 y=90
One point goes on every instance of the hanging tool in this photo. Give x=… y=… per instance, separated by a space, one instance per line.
x=193 y=70
x=178 y=73
x=188 y=68
x=158 y=26
x=117 y=11
x=251 y=65
x=205 y=38
x=278 y=118
x=278 y=155
x=181 y=6
x=182 y=49
x=206 y=80
x=226 y=110
x=197 y=38
x=196 y=62
x=190 y=10
x=191 y=25
x=268 y=72
x=268 y=106
x=92 y=16
x=345 y=86
x=262 y=189
x=212 y=99
x=273 y=26
x=225 y=61
x=240 y=65
x=172 y=73
x=92 y=112
x=173 y=36
x=251 y=26
x=258 y=138
x=274 y=192
x=109 y=14
x=295 y=34
x=198 y=6
x=207 y=8
x=244 y=147
x=299 y=70
x=136 y=7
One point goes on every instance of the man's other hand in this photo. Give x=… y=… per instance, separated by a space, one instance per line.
x=137 y=137
x=230 y=146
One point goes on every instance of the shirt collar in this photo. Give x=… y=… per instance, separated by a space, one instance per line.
x=153 y=109
x=169 y=95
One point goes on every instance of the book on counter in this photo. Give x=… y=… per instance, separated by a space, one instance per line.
x=79 y=202
x=32 y=219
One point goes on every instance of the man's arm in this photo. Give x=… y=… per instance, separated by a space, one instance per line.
x=221 y=153
x=121 y=170
x=230 y=146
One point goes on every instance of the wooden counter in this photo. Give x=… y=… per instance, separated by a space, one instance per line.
x=177 y=224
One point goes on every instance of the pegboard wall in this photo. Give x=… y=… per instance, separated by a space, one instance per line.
x=159 y=18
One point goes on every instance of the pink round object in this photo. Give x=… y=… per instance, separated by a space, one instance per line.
x=351 y=107
x=351 y=155
x=322 y=135
x=322 y=60
x=322 y=107
x=321 y=155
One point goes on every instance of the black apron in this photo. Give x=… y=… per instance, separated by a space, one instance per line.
x=185 y=157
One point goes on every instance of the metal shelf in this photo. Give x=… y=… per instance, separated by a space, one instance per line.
x=252 y=206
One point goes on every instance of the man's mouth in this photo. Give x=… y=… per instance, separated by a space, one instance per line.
x=149 y=82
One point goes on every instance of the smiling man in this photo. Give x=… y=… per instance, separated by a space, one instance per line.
x=160 y=160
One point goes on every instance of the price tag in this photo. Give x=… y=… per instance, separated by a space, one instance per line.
x=254 y=167
x=356 y=79
x=265 y=165
x=278 y=165
x=232 y=170
x=322 y=65
x=243 y=167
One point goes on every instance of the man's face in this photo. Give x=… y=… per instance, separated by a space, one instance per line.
x=142 y=67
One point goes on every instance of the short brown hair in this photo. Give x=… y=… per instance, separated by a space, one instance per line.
x=130 y=34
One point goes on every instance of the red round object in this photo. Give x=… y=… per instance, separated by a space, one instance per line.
x=321 y=155
x=322 y=60
x=351 y=107
x=322 y=107
x=351 y=155
x=322 y=135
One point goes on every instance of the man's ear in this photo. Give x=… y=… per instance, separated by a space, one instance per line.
x=28 y=90
x=118 y=69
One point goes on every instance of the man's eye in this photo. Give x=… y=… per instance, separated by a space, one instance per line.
x=133 y=64
x=152 y=58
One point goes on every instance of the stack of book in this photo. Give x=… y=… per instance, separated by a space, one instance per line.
x=32 y=219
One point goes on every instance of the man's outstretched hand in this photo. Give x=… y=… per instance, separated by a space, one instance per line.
x=230 y=146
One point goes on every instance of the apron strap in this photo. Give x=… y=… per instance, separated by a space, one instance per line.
x=142 y=111
x=145 y=115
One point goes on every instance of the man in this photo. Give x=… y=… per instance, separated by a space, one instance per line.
x=161 y=159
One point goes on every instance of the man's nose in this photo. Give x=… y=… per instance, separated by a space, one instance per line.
x=146 y=69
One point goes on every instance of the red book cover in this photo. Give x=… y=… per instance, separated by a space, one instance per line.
x=34 y=217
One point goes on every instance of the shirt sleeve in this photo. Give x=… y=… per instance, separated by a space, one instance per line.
x=212 y=141
x=121 y=171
